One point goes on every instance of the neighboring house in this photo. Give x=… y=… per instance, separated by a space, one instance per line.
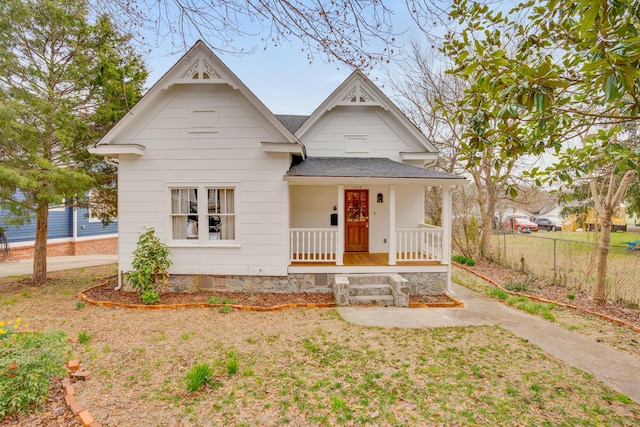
x=511 y=211
x=282 y=203
x=553 y=212
x=71 y=231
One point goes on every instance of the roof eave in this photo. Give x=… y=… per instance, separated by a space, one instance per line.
x=334 y=180
x=282 y=147
x=117 y=149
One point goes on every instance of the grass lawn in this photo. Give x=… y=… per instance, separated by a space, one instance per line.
x=306 y=367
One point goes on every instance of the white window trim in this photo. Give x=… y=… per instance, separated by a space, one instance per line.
x=203 y=232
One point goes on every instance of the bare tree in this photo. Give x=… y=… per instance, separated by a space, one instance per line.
x=430 y=98
x=358 y=33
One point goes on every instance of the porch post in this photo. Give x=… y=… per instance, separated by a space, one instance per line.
x=392 y=225
x=447 y=220
x=341 y=217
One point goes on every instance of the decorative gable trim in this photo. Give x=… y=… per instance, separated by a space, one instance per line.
x=201 y=71
x=198 y=66
x=358 y=95
x=358 y=91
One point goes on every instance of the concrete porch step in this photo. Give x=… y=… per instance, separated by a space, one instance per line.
x=384 y=300
x=370 y=289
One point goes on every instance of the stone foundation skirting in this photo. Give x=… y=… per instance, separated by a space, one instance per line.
x=426 y=283
x=294 y=283
x=98 y=246
x=419 y=283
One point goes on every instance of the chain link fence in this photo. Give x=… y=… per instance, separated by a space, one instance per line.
x=571 y=263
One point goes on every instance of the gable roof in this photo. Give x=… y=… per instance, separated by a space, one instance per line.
x=198 y=66
x=364 y=167
x=358 y=90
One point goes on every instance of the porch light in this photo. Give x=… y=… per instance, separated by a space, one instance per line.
x=380 y=198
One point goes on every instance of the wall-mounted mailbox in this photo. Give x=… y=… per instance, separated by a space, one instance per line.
x=334 y=219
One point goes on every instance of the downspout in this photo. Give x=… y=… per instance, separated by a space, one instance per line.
x=114 y=162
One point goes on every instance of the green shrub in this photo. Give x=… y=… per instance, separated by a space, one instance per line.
x=571 y=296
x=517 y=286
x=28 y=362
x=150 y=296
x=225 y=309
x=213 y=300
x=198 y=376
x=80 y=305
x=463 y=260
x=150 y=264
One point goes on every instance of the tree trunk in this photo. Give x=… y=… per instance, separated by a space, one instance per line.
x=599 y=293
x=40 y=246
x=485 y=235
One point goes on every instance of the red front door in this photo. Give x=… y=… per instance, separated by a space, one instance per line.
x=356 y=228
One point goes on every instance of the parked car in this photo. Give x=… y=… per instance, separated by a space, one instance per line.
x=520 y=225
x=548 y=224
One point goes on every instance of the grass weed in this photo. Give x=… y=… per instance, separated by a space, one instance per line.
x=198 y=376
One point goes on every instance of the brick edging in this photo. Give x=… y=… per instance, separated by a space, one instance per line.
x=82 y=415
x=561 y=304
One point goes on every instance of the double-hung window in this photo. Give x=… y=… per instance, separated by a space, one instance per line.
x=203 y=213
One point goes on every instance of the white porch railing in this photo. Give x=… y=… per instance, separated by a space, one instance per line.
x=313 y=244
x=419 y=244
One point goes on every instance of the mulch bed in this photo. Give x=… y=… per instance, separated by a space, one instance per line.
x=106 y=293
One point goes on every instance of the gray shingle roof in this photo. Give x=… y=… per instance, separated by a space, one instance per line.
x=358 y=167
x=291 y=122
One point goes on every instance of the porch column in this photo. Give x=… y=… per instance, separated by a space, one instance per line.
x=341 y=217
x=392 y=225
x=447 y=219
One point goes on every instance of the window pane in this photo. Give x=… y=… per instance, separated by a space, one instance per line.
x=220 y=209
x=184 y=213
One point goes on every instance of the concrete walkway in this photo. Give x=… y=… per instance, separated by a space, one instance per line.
x=617 y=370
x=25 y=267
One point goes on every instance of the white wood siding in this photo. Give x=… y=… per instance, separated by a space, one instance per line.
x=385 y=137
x=230 y=156
x=312 y=206
x=409 y=206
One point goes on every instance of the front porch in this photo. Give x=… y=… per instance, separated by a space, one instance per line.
x=417 y=250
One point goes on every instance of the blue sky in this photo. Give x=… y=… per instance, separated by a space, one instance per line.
x=282 y=76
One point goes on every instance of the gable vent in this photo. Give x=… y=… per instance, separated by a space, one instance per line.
x=358 y=95
x=200 y=71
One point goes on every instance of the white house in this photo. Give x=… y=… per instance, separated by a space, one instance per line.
x=247 y=200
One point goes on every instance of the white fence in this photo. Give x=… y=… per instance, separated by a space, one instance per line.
x=419 y=244
x=313 y=244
